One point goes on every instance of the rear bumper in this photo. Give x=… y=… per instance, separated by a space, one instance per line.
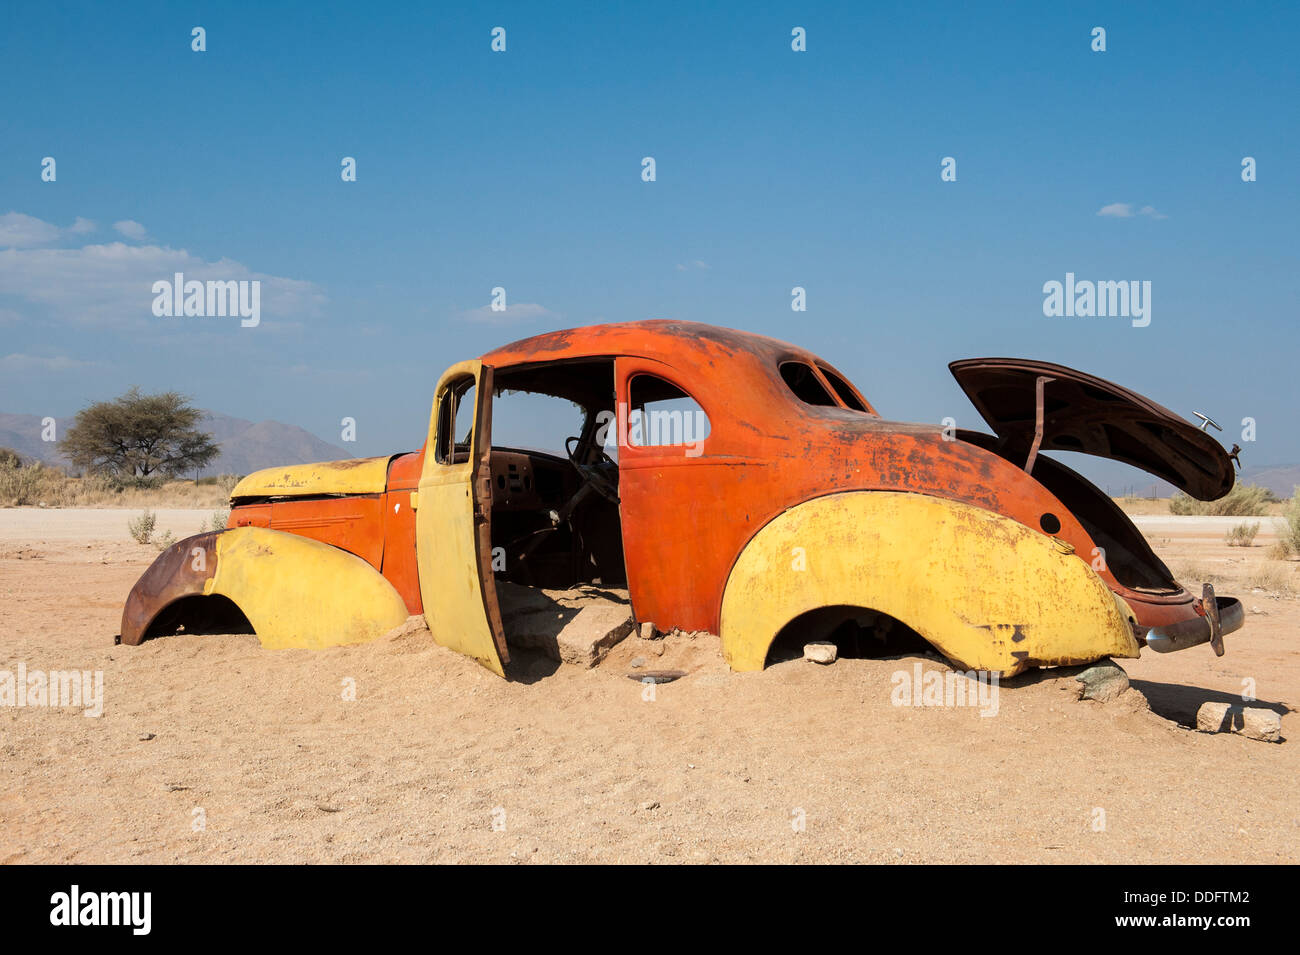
x=1198 y=629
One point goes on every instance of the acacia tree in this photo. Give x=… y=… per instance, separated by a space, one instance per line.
x=138 y=435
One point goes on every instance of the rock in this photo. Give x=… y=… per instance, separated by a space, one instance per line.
x=1261 y=724
x=586 y=638
x=1253 y=722
x=637 y=662
x=647 y=630
x=575 y=626
x=655 y=647
x=145 y=737
x=652 y=804
x=1103 y=681
x=820 y=651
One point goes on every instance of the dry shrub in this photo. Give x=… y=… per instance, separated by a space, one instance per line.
x=1244 y=500
x=1273 y=578
x=1278 y=550
x=1194 y=573
x=1242 y=535
x=1290 y=533
x=141 y=528
x=39 y=484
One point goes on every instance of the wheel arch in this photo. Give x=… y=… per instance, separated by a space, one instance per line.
x=985 y=590
x=294 y=591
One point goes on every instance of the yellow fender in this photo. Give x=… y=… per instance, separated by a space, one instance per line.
x=298 y=592
x=988 y=592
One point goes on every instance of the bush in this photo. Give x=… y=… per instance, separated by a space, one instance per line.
x=1244 y=500
x=1242 y=535
x=9 y=458
x=226 y=482
x=20 y=486
x=1272 y=578
x=142 y=527
x=218 y=521
x=1289 y=532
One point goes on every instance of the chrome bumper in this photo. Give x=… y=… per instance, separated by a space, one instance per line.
x=1215 y=617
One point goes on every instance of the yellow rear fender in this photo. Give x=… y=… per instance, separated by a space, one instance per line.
x=986 y=591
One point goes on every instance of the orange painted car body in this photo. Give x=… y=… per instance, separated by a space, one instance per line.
x=685 y=519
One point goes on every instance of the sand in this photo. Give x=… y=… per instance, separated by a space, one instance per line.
x=211 y=749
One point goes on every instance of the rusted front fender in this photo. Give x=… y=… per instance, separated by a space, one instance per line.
x=296 y=592
x=180 y=571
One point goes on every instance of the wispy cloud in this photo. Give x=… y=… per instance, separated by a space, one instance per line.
x=18 y=362
x=510 y=315
x=697 y=264
x=1124 y=210
x=131 y=229
x=19 y=231
x=111 y=284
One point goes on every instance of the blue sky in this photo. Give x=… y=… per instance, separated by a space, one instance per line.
x=522 y=169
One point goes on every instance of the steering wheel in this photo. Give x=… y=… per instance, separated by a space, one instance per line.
x=593 y=475
x=594 y=478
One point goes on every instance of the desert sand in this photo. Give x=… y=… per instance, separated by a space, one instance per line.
x=211 y=749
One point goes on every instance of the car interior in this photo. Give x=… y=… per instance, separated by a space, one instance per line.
x=555 y=510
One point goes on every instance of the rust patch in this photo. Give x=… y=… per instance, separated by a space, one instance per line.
x=177 y=572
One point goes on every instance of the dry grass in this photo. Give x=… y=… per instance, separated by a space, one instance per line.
x=1273 y=578
x=1290 y=530
x=1195 y=572
x=1278 y=550
x=1242 y=535
x=38 y=485
x=1244 y=500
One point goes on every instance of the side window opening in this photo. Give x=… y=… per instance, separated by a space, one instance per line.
x=843 y=390
x=535 y=420
x=803 y=381
x=455 y=417
x=662 y=415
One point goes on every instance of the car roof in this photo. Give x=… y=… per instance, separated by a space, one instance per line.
x=660 y=339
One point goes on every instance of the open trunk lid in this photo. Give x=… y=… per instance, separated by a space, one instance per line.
x=1084 y=413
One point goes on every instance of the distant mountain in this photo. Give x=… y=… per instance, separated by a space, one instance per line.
x=246 y=446
x=1281 y=479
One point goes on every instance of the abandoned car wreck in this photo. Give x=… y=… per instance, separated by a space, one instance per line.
x=715 y=480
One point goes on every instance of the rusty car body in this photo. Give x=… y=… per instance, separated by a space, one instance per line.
x=799 y=511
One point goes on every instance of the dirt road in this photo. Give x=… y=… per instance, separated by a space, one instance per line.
x=210 y=749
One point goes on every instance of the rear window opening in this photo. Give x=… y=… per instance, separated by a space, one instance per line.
x=842 y=388
x=805 y=384
x=801 y=378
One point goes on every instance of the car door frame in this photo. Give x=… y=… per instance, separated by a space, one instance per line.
x=453 y=526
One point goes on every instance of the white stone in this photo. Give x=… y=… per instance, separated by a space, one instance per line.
x=1253 y=722
x=820 y=651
